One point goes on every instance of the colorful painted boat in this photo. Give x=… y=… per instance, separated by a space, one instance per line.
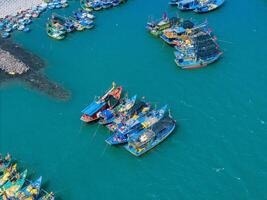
x=9 y=189
x=187 y=5
x=124 y=133
x=86 y=5
x=147 y=139
x=208 y=5
x=31 y=191
x=108 y=116
x=156 y=28
x=138 y=110
x=8 y=174
x=109 y=100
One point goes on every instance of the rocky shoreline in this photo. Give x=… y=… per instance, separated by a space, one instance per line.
x=13 y=57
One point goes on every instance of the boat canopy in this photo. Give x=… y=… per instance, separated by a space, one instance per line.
x=93 y=108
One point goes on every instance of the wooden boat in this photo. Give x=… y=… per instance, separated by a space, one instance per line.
x=108 y=116
x=8 y=174
x=31 y=191
x=127 y=131
x=56 y=34
x=5 y=162
x=208 y=5
x=147 y=139
x=197 y=63
x=109 y=100
x=156 y=28
x=86 y=5
x=10 y=188
x=138 y=110
x=187 y=5
x=106 y=4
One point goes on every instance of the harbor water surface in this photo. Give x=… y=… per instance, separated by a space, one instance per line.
x=218 y=150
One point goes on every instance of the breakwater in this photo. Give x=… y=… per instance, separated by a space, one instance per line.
x=18 y=64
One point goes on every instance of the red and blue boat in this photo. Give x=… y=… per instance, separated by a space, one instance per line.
x=109 y=100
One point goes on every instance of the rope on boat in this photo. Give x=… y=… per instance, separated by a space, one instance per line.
x=104 y=151
x=225 y=41
x=95 y=132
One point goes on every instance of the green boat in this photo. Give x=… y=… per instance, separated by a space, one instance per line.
x=85 y=5
x=55 y=33
x=9 y=189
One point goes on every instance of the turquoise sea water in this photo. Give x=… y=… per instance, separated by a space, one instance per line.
x=218 y=151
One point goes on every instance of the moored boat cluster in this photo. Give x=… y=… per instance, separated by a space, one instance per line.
x=58 y=26
x=195 y=46
x=198 y=6
x=133 y=123
x=22 y=19
x=14 y=185
x=96 y=5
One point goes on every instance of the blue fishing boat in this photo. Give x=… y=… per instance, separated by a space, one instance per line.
x=115 y=3
x=209 y=5
x=138 y=110
x=109 y=100
x=124 y=133
x=147 y=139
x=31 y=191
x=187 y=5
x=108 y=116
x=106 y=4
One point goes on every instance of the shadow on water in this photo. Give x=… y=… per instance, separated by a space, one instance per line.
x=34 y=77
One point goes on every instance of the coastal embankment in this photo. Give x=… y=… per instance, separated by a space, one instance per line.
x=18 y=64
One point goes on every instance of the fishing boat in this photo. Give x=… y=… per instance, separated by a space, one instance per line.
x=5 y=162
x=109 y=115
x=8 y=173
x=139 y=109
x=208 y=5
x=5 y=35
x=82 y=14
x=124 y=133
x=86 y=5
x=64 y=22
x=31 y=191
x=10 y=188
x=109 y=100
x=156 y=28
x=205 y=52
x=56 y=34
x=106 y=4
x=97 y=5
x=147 y=139
x=187 y=5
